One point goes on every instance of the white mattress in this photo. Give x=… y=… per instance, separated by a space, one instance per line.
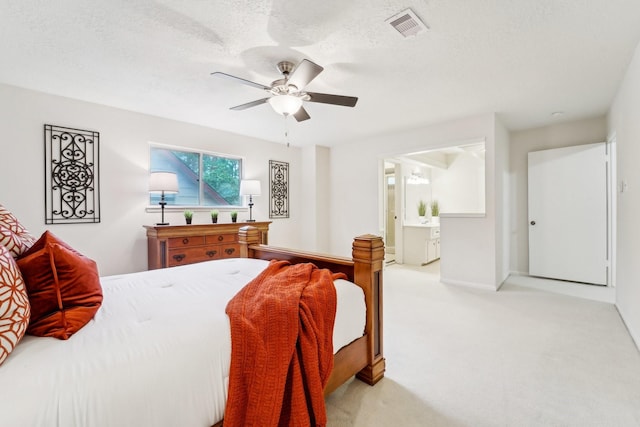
x=157 y=352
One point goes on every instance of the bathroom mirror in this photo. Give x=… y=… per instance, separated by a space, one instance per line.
x=416 y=188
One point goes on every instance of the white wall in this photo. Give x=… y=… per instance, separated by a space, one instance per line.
x=468 y=245
x=460 y=188
x=579 y=132
x=624 y=122
x=315 y=190
x=503 y=220
x=118 y=242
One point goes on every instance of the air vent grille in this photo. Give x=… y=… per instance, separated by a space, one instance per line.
x=407 y=23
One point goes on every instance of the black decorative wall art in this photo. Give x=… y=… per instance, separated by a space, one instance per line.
x=72 y=190
x=278 y=189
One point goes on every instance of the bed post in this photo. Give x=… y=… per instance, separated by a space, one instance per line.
x=368 y=256
x=247 y=236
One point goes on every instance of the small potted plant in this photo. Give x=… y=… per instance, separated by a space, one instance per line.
x=422 y=211
x=214 y=216
x=435 y=211
x=188 y=216
x=234 y=216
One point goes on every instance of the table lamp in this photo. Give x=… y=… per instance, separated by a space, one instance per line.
x=250 y=187
x=163 y=182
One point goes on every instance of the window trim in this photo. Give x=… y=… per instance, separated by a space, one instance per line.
x=196 y=208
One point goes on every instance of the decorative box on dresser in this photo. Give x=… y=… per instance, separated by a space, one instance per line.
x=171 y=245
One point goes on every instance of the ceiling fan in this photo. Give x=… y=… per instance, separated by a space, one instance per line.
x=287 y=94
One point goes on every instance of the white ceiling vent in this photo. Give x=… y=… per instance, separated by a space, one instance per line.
x=407 y=23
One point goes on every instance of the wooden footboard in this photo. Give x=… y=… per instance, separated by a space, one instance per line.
x=364 y=356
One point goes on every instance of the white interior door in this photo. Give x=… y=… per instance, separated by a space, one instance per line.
x=568 y=213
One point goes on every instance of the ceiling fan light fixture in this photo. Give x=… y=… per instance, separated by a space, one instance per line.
x=285 y=104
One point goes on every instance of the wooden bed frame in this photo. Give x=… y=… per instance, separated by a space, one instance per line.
x=362 y=357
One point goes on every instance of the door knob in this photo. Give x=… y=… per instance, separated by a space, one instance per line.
x=533 y=223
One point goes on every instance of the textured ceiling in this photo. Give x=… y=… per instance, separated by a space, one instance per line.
x=522 y=59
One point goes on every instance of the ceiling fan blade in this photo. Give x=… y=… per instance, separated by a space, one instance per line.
x=325 y=98
x=249 y=104
x=301 y=115
x=240 y=80
x=304 y=73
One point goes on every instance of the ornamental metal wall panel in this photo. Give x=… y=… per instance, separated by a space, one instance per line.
x=278 y=189
x=72 y=184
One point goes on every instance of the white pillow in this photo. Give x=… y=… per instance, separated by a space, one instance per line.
x=14 y=304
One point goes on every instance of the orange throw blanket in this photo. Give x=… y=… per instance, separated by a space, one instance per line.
x=281 y=347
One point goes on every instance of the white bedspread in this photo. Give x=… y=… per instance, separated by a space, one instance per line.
x=156 y=354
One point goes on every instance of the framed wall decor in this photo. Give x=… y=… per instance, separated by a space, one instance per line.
x=278 y=189
x=72 y=184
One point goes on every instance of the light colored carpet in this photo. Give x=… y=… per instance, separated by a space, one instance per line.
x=459 y=356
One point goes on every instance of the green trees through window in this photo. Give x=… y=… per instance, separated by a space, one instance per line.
x=204 y=179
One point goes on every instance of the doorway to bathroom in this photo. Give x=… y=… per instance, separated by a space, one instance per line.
x=417 y=187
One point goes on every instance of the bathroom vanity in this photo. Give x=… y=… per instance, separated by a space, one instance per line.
x=421 y=243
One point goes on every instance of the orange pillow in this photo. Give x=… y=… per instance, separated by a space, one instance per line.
x=41 y=243
x=14 y=305
x=63 y=287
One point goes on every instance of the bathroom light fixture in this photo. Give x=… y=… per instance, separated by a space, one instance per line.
x=163 y=182
x=250 y=187
x=285 y=104
x=414 y=179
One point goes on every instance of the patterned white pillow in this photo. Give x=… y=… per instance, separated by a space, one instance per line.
x=14 y=243
x=13 y=235
x=14 y=304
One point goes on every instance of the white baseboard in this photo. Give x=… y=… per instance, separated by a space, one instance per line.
x=518 y=273
x=634 y=337
x=592 y=292
x=467 y=284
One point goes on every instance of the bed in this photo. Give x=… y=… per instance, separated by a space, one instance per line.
x=158 y=350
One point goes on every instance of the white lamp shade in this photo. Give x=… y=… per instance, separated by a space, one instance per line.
x=250 y=187
x=163 y=181
x=285 y=104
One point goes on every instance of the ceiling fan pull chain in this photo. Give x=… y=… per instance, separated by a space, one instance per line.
x=286 y=130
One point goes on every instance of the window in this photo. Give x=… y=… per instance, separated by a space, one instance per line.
x=204 y=179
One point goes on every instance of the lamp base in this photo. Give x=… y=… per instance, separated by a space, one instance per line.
x=251 y=220
x=162 y=223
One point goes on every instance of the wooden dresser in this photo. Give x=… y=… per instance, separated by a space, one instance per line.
x=171 y=245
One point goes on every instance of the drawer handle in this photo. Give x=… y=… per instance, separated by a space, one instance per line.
x=211 y=254
x=229 y=251
x=220 y=238
x=178 y=257
x=185 y=241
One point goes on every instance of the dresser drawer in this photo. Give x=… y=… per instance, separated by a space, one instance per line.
x=181 y=242
x=221 y=238
x=185 y=256
x=230 y=251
